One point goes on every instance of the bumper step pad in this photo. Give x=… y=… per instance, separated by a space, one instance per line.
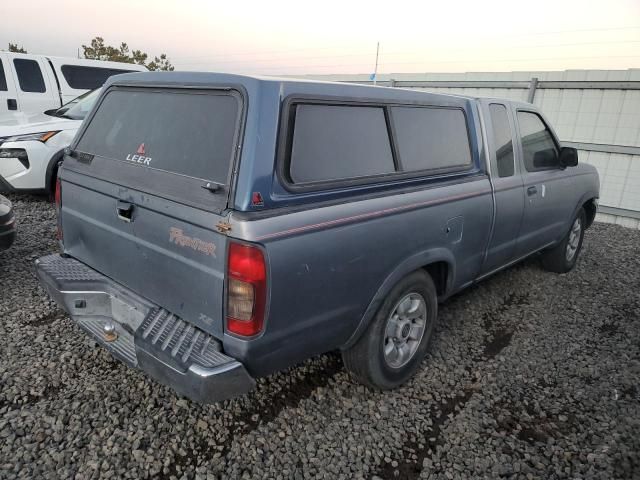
x=178 y=342
x=67 y=269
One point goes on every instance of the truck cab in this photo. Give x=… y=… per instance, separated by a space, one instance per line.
x=535 y=191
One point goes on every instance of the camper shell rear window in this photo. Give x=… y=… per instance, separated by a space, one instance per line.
x=178 y=143
x=179 y=132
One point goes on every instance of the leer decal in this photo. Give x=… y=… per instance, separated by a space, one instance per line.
x=139 y=156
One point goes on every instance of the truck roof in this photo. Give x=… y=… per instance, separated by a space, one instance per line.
x=82 y=61
x=286 y=84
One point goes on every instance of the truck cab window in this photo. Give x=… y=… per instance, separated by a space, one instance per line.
x=3 y=79
x=88 y=78
x=538 y=147
x=502 y=140
x=29 y=75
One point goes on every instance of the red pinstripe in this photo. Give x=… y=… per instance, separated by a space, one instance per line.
x=378 y=213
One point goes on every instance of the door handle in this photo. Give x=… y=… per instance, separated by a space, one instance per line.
x=12 y=104
x=532 y=190
x=125 y=211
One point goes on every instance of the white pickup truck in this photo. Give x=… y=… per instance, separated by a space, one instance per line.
x=31 y=84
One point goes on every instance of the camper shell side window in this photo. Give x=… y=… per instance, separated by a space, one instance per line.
x=329 y=143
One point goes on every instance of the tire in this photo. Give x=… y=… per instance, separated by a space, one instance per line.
x=50 y=189
x=563 y=257
x=366 y=359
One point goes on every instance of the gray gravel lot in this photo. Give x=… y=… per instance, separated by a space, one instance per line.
x=531 y=375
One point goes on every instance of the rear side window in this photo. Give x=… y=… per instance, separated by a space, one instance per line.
x=333 y=142
x=3 y=79
x=29 y=75
x=88 y=78
x=539 y=149
x=502 y=139
x=431 y=138
x=190 y=134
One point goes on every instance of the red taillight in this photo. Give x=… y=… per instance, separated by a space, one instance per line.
x=58 y=201
x=246 y=290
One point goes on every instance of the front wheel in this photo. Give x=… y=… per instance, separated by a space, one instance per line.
x=393 y=346
x=562 y=258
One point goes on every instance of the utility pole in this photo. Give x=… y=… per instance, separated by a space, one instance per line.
x=375 y=72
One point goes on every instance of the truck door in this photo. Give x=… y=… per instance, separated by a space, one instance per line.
x=8 y=97
x=547 y=186
x=507 y=184
x=36 y=92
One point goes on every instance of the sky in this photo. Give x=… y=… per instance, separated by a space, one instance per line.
x=275 y=37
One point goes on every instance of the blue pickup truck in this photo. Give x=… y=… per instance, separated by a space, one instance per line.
x=216 y=228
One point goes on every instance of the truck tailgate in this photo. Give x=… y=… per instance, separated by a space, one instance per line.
x=175 y=263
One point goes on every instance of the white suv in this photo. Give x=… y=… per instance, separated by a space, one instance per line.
x=30 y=152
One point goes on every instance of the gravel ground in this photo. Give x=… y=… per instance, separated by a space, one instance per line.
x=531 y=375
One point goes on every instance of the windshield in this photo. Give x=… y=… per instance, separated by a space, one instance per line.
x=78 y=108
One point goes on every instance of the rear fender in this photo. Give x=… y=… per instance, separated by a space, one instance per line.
x=49 y=177
x=411 y=264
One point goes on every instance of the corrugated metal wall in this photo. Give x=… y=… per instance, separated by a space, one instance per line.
x=597 y=111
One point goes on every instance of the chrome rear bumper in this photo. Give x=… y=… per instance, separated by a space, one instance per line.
x=145 y=336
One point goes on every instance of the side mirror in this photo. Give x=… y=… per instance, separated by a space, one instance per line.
x=568 y=157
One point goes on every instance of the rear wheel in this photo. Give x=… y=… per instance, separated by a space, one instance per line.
x=563 y=257
x=396 y=341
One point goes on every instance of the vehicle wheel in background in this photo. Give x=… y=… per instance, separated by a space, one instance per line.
x=396 y=341
x=562 y=258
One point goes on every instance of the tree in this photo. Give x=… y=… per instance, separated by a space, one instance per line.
x=97 y=50
x=160 y=63
x=13 y=47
